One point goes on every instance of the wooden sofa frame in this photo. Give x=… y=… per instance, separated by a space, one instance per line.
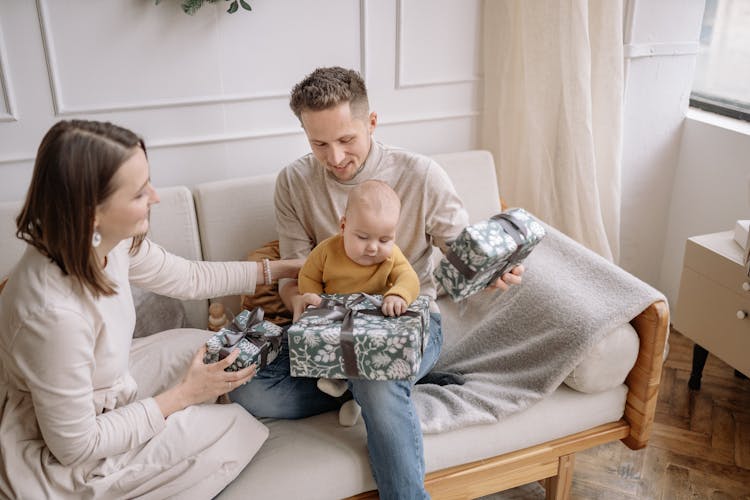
x=552 y=462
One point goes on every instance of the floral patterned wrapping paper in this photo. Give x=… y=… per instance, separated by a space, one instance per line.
x=380 y=347
x=486 y=250
x=258 y=340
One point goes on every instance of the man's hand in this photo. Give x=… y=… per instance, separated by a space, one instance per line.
x=393 y=305
x=300 y=303
x=510 y=278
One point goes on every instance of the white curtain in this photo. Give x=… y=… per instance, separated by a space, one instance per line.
x=552 y=118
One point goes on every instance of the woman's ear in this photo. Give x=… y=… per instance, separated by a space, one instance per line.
x=342 y=223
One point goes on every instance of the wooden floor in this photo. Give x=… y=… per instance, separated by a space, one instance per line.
x=699 y=448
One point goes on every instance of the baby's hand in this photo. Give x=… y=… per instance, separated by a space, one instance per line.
x=311 y=299
x=300 y=303
x=393 y=305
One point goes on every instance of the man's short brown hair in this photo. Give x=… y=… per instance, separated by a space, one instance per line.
x=326 y=88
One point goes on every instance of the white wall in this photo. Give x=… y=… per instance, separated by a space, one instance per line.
x=209 y=93
x=681 y=176
x=711 y=190
x=661 y=43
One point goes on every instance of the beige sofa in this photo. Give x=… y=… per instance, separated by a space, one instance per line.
x=317 y=458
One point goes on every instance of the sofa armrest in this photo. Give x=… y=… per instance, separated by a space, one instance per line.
x=652 y=326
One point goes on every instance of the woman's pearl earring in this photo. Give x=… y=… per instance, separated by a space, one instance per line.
x=96 y=240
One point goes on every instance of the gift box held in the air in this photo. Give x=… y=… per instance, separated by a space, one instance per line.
x=348 y=336
x=258 y=340
x=486 y=250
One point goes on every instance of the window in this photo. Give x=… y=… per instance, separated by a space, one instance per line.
x=722 y=71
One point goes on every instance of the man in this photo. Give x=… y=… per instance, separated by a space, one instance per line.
x=310 y=197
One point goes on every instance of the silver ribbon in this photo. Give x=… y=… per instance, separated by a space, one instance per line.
x=234 y=333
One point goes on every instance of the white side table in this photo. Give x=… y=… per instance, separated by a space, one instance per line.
x=713 y=307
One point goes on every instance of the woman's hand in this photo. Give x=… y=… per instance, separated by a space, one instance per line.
x=300 y=303
x=209 y=381
x=393 y=305
x=514 y=277
x=203 y=383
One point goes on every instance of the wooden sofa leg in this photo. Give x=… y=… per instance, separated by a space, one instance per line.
x=558 y=487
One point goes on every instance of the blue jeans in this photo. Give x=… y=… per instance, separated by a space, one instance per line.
x=394 y=436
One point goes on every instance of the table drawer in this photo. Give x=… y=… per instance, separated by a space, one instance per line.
x=719 y=267
x=707 y=314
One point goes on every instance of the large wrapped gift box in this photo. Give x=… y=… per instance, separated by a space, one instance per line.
x=485 y=251
x=258 y=340
x=348 y=336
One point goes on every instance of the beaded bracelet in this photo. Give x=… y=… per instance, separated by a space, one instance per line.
x=266 y=272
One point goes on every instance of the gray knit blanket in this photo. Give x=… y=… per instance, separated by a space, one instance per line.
x=516 y=347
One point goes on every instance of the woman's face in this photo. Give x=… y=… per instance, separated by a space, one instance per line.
x=125 y=213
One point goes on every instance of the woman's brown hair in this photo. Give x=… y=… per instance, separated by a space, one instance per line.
x=73 y=173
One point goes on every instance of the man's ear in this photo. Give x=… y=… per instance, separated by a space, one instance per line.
x=372 y=121
x=342 y=223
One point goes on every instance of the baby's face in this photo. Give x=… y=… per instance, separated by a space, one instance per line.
x=369 y=236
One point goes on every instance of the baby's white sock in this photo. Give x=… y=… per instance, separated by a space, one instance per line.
x=332 y=386
x=349 y=413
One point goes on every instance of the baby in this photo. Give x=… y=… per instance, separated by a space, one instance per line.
x=362 y=258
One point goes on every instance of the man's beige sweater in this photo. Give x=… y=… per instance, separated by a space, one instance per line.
x=310 y=201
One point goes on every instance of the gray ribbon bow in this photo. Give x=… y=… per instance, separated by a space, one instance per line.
x=235 y=332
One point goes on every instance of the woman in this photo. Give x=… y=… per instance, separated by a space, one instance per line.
x=85 y=410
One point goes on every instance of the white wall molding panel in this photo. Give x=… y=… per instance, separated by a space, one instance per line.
x=434 y=42
x=7 y=106
x=190 y=74
x=209 y=92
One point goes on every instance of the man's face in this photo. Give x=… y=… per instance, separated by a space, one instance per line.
x=339 y=140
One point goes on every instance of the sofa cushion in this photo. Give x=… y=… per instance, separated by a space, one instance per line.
x=608 y=362
x=319 y=444
x=156 y=313
x=234 y=217
x=473 y=176
x=175 y=227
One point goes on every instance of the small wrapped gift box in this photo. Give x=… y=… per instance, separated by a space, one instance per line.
x=485 y=251
x=348 y=336
x=258 y=340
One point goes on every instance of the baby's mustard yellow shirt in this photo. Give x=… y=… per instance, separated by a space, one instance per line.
x=329 y=270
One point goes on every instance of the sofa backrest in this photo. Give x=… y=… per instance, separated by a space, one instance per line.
x=236 y=216
x=473 y=175
x=225 y=220
x=175 y=227
x=11 y=248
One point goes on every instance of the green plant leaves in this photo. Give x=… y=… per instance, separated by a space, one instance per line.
x=190 y=7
